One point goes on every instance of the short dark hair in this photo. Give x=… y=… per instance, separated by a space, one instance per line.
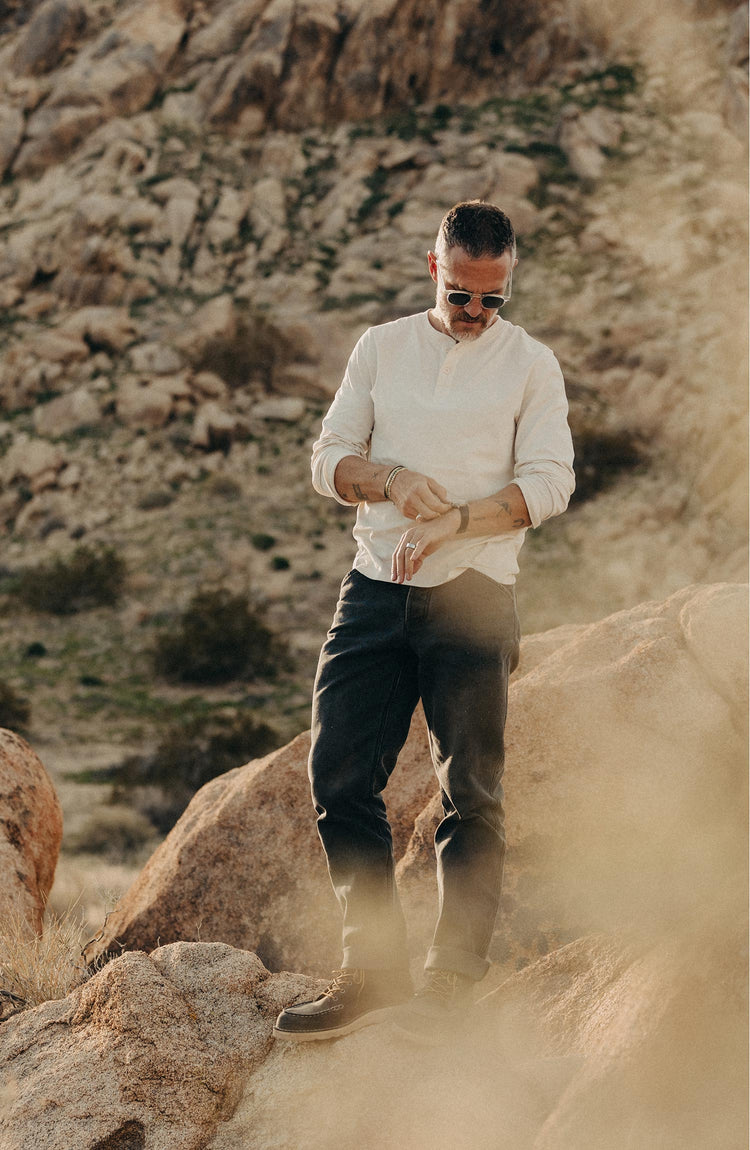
x=479 y=228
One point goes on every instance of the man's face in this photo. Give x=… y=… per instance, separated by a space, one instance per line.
x=455 y=269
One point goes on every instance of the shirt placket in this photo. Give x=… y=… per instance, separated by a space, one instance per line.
x=446 y=374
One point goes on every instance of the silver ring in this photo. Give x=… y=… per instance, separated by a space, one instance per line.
x=411 y=546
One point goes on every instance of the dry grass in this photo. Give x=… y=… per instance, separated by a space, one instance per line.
x=35 y=968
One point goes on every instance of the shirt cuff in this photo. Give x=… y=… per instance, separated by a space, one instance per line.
x=545 y=498
x=324 y=469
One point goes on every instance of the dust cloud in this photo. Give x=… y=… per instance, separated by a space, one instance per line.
x=632 y=1035
x=665 y=296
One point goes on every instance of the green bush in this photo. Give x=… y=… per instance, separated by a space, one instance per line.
x=218 y=638
x=261 y=541
x=152 y=500
x=15 y=712
x=223 y=487
x=90 y=577
x=188 y=756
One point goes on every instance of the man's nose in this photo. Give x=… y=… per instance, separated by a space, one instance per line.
x=474 y=307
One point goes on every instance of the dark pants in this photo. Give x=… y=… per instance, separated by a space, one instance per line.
x=454 y=646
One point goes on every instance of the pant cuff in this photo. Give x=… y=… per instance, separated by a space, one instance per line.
x=354 y=959
x=459 y=961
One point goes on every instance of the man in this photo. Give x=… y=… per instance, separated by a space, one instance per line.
x=449 y=432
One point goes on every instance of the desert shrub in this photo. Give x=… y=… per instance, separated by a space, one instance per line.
x=90 y=577
x=261 y=541
x=189 y=755
x=219 y=637
x=116 y=832
x=35 y=968
x=15 y=712
x=152 y=500
x=601 y=457
x=256 y=349
x=280 y=563
x=223 y=487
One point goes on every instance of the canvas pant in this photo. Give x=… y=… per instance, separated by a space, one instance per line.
x=454 y=646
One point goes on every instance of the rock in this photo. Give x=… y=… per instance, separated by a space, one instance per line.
x=67 y=413
x=227 y=217
x=29 y=458
x=608 y=742
x=588 y=828
x=255 y=899
x=286 y=408
x=513 y=174
x=142 y=405
x=582 y=137
x=30 y=831
x=58 y=346
x=607 y=1043
x=98 y=211
x=714 y=630
x=179 y=215
x=54 y=28
x=11 y=134
x=737 y=45
x=216 y=319
x=213 y=427
x=661 y=1024
x=52 y=133
x=162 y=1044
x=154 y=359
x=108 y=329
x=115 y=75
x=209 y=385
x=268 y=207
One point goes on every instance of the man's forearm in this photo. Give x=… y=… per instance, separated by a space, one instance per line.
x=504 y=511
x=359 y=481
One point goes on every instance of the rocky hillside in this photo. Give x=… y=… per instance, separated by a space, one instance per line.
x=203 y=204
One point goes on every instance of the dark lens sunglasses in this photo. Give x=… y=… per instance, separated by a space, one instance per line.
x=489 y=300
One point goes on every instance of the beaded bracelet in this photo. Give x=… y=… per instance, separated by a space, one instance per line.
x=391 y=476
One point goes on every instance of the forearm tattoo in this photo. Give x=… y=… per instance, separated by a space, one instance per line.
x=359 y=493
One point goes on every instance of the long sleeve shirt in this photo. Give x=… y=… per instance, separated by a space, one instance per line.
x=475 y=415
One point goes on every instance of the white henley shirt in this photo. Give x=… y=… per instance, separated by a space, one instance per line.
x=474 y=415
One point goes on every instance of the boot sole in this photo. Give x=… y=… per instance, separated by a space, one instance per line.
x=370 y=1019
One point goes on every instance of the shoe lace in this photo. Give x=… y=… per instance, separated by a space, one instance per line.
x=340 y=980
x=440 y=984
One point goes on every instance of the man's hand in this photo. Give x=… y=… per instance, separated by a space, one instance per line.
x=418 y=497
x=501 y=513
x=419 y=542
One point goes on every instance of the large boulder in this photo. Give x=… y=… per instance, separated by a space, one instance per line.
x=606 y=1044
x=613 y=730
x=244 y=864
x=655 y=1037
x=153 y=1051
x=624 y=776
x=54 y=28
x=30 y=831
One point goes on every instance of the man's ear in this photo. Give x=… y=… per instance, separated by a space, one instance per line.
x=432 y=265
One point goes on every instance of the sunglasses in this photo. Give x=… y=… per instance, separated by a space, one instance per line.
x=489 y=300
